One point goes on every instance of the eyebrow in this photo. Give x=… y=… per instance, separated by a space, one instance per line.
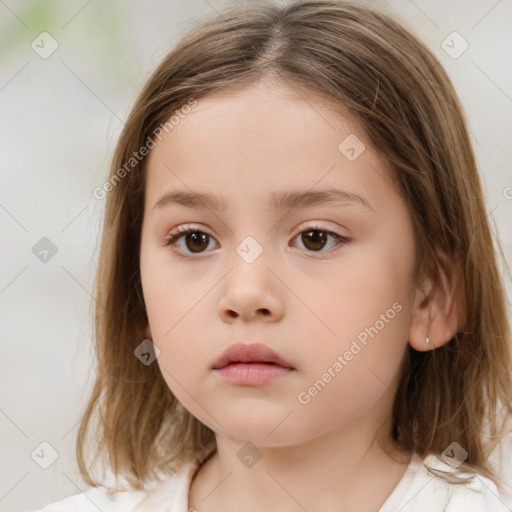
x=278 y=200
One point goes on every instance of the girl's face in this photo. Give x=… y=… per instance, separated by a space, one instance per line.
x=338 y=310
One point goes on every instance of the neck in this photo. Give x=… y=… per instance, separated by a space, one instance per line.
x=330 y=472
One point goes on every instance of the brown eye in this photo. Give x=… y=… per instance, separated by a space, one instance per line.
x=195 y=241
x=315 y=239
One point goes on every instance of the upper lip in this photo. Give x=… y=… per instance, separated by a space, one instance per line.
x=252 y=353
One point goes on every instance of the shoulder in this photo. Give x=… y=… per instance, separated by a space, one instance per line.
x=443 y=493
x=169 y=494
x=501 y=461
x=97 y=498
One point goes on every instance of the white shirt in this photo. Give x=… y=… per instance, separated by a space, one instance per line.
x=417 y=491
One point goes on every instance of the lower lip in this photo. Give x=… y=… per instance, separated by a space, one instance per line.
x=253 y=374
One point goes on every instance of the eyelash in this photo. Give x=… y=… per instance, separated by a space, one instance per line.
x=172 y=239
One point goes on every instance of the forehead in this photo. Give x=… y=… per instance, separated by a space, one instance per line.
x=273 y=112
x=263 y=138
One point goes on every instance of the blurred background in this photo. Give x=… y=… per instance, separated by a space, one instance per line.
x=69 y=74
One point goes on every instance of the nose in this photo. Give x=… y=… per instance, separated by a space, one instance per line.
x=251 y=292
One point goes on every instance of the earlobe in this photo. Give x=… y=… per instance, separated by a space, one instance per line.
x=420 y=327
x=147 y=332
x=437 y=307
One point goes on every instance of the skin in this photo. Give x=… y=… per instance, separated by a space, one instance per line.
x=307 y=305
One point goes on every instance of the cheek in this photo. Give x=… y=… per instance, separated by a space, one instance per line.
x=346 y=378
x=368 y=289
x=171 y=292
x=178 y=329
x=366 y=320
x=173 y=302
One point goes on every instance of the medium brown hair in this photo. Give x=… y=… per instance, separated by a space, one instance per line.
x=356 y=58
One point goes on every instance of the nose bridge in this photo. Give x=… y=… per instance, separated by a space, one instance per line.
x=248 y=263
x=250 y=286
x=250 y=236
x=254 y=243
x=251 y=248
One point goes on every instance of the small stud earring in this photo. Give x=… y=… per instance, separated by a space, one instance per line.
x=428 y=339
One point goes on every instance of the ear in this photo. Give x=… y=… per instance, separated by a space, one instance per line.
x=147 y=332
x=437 y=309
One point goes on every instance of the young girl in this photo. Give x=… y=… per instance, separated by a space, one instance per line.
x=299 y=302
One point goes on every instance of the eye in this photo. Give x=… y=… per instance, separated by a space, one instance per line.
x=314 y=239
x=194 y=239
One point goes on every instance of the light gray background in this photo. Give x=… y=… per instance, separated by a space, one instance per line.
x=59 y=121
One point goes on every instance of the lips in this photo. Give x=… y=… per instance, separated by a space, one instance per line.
x=253 y=353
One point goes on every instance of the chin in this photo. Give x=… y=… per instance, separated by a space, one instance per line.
x=257 y=427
